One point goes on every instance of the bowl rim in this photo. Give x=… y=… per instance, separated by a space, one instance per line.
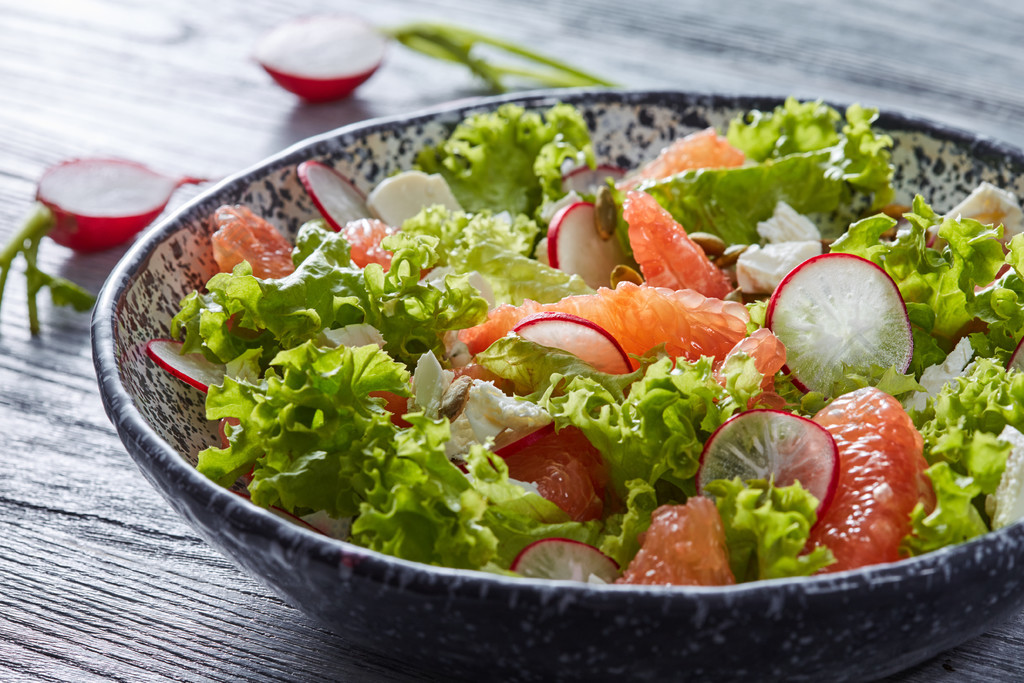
x=416 y=577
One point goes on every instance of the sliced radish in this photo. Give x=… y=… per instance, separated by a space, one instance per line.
x=1017 y=359
x=322 y=58
x=771 y=444
x=508 y=444
x=575 y=246
x=584 y=338
x=334 y=195
x=839 y=312
x=193 y=368
x=100 y=203
x=586 y=180
x=566 y=560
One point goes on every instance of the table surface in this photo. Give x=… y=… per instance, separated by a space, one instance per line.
x=99 y=579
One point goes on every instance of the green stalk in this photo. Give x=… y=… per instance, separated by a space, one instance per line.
x=454 y=44
x=26 y=242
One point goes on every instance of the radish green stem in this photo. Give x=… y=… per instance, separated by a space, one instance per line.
x=26 y=242
x=455 y=44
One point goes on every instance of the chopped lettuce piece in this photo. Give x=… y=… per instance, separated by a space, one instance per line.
x=510 y=159
x=766 y=529
x=954 y=519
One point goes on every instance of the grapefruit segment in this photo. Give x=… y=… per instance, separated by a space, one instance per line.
x=703 y=149
x=684 y=546
x=241 y=235
x=665 y=253
x=364 y=236
x=881 y=479
x=640 y=317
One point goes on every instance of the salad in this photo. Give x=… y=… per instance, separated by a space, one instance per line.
x=739 y=361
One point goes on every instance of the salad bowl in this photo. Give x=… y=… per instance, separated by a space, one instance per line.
x=853 y=625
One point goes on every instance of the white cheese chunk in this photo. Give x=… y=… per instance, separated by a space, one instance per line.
x=935 y=377
x=358 y=334
x=488 y=413
x=1008 y=500
x=404 y=195
x=991 y=205
x=759 y=270
x=786 y=225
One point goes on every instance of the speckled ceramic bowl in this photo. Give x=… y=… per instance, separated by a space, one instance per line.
x=848 y=626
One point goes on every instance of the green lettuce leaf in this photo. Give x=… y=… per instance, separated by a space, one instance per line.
x=766 y=529
x=955 y=518
x=498 y=249
x=803 y=160
x=620 y=539
x=240 y=312
x=509 y=159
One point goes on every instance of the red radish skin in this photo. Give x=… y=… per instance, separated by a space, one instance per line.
x=564 y=559
x=101 y=203
x=192 y=368
x=824 y=276
x=575 y=247
x=1017 y=359
x=763 y=444
x=584 y=338
x=586 y=180
x=322 y=58
x=519 y=444
x=337 y=199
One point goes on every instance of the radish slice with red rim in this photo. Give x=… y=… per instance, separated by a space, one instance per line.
x=575 y=246
x=836 y=313
x=586 y=180
x=507 y=445
x=771 y=444
x=1017 y=359
x=334 y=195
x=322 y=58
x=100 y=203
x=566 y=560
x=192 y=368
x=586 y=339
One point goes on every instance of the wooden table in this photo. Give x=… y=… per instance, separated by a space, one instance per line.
x=99 y=579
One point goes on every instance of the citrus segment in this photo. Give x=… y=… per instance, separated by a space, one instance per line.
x=640 y=317
x=768 y=352
x=684 y=546
x=241 y=235
x=665 y=253
x=881 y=479
x=566 y=468
x=703 y=149
x=364 y=237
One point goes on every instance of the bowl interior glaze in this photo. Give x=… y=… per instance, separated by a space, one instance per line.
x=848 y=626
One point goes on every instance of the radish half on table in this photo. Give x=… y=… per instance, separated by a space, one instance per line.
x=838 y=313
x=322 y=58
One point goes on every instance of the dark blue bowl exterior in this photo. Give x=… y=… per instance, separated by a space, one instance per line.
x=849 y=626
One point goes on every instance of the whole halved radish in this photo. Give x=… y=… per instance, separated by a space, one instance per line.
x=337 y=199
x=193 y=368
x=836 y=313
x=100 y=203
x=770 y=444
x=586 y=180
x=566 y=560
x=322 y=58
x=576 y=247
x=584 y=338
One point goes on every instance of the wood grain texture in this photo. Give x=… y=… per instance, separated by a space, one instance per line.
x=99 y=579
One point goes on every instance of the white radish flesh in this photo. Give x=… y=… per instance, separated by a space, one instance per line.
x=566 y=560
x=579 y=336
x=322 y=58
x=338 y=200
x=193 y=368
x=586 y=180
x=837 y=313
x=574 y=246
x=770 y=444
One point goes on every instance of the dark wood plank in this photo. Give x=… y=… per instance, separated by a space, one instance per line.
x=99 y=579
